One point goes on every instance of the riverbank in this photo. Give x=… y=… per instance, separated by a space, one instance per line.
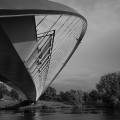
x=46 y=105
x=8 y=105
x=55 y=105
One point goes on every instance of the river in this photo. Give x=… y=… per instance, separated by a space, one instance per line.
x=60 y=114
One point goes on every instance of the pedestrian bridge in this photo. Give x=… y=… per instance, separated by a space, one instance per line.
x=37 y=39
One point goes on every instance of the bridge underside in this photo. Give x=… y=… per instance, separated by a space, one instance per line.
x=12 y=69
x=35 y=48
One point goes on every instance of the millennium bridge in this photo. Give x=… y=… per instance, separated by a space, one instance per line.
x=37 y=39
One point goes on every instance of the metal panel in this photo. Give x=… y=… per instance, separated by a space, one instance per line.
x=13 y=69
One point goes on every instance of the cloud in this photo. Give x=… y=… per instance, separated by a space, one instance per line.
x=103 y=18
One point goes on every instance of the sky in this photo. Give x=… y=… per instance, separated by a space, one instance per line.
x=98 y=54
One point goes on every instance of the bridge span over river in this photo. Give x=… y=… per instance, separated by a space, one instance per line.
x=37 y=39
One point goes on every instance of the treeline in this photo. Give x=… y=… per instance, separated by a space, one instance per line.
x=4 y=91
x=73 y=97
x=77 y=98
x=106 y=94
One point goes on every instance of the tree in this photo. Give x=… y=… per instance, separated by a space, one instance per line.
x=78 y=98
x=94 y=95
x=14 y=94
x=109 y=88
x=67 y=97
x=73 y=97
x=3 y=89
x=49 y=94
x=1 y=95
x=62 y=96
x=86 y=97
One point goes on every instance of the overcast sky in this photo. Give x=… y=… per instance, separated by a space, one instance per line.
x=99 y=52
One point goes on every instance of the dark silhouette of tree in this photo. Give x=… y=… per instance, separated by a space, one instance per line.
x=65 y=97
x=1 y=95
x=49 y=94
x=3 y=89
x=94 y=95
x=14 y=94
x=86 y=97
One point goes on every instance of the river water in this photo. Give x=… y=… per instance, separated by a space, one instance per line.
x=60 y=114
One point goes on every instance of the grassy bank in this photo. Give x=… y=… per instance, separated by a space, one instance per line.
x=46 y=105
x=6 y=104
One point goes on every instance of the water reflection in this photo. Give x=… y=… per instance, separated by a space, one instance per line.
x=53 y=114
x=16 y=115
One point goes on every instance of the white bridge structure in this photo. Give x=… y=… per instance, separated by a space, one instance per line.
x=37 y=39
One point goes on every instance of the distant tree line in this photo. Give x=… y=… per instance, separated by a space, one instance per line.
x=77 y=98
x=106 y=94
x=73 y=97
